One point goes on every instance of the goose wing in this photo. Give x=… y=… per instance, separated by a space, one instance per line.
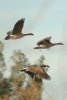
x=45 y=76
x=42 y=73
x=18 y=26
x=43 y=41
x=48 y=38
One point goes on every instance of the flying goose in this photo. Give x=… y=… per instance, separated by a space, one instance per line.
x=36 y=71
x=16 y=32
x=46 y=43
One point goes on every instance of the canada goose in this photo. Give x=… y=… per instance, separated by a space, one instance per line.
x=16 y=32
x=46 y=43
x=36 y=71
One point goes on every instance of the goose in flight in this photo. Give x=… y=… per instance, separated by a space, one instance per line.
x=16 y=33
x=36 y=71
x=46 y=43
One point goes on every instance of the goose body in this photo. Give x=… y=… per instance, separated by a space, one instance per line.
x=16 y=33
x=46 y=43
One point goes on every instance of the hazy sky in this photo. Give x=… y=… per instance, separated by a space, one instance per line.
x=43 y=18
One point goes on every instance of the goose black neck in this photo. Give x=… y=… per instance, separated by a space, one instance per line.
x=57 y=44
x=28 y=34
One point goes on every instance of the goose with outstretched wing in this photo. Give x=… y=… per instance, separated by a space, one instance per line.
x=37 y=72
x=16 y=33
x=46 y=43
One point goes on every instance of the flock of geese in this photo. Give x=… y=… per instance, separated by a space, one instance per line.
x=38 y=72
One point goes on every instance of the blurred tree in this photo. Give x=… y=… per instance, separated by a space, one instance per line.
x=32 y=91
x=2 y=61
x=1 y=76
x=19 y=61
x=5 y=87
x=13 y=87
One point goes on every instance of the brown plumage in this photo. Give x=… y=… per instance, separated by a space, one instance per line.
x=46 y=43
x=16 y=33
x=37 y=72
